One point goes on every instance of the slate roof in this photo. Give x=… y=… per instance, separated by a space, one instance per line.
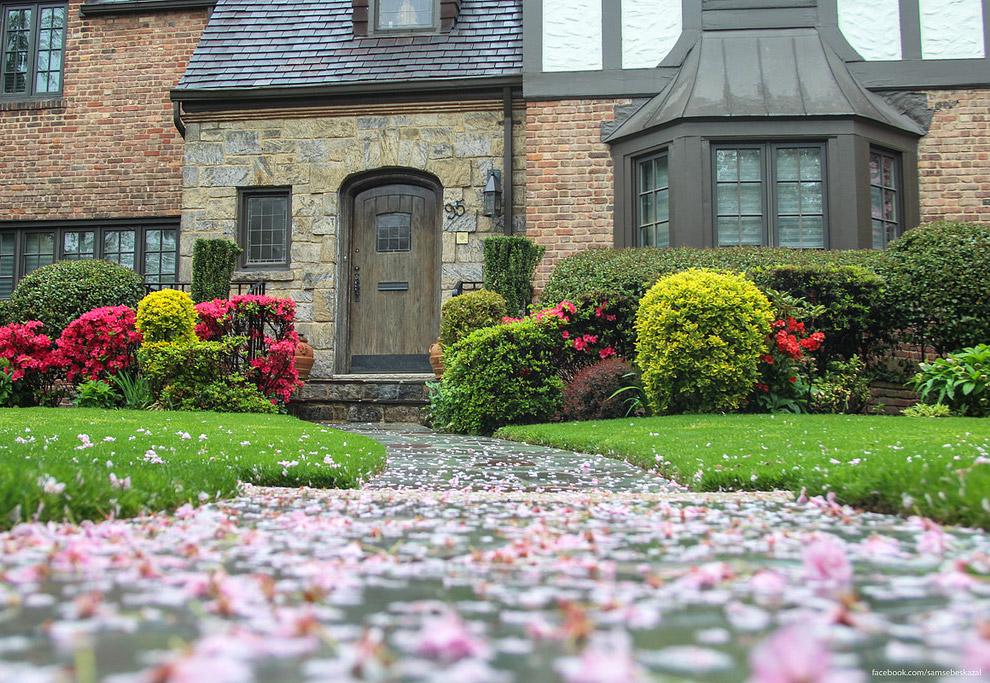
x=777 y=73
x=286 y=43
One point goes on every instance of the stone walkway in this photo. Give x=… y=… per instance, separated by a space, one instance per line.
x=479 y=560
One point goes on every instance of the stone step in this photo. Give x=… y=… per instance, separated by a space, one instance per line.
x=363 y=398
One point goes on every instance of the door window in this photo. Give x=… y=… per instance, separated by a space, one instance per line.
x=394 y=232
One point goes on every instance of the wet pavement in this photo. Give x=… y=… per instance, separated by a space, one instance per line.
x=474 y=559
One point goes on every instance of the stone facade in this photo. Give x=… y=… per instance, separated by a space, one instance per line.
x=954 y=158
x=107 y=146
x=569 y=183
x=314 y=152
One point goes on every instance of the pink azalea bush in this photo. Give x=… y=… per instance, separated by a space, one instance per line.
x=30 y=363
x=100 y=343
x=589 y=331
x=267 y=324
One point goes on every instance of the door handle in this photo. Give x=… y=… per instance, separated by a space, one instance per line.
x=357 y=283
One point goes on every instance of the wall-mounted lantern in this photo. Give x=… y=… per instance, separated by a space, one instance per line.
x=492 y=198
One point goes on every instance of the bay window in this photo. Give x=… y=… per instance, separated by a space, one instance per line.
x=769 y=194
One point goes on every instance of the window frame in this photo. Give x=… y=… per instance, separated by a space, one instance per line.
x=30 y=94
x=21 y=229
x=377 y=28
x=769 y=181
x=244 y=233
x=639 y=193
x=897 y=189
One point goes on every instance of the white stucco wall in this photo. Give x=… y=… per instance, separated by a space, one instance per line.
x=873 y=28
x=649 y=30
x=951 y=29
x=572 y=35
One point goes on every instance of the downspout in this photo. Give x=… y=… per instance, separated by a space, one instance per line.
x=507 y=160
x=177 y=118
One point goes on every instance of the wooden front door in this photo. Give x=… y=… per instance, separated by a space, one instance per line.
x=394 y=313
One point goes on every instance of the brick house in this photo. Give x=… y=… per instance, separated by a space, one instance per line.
x=347 y=144
x=90 y=159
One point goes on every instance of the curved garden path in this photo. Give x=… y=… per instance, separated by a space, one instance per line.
x=479 y=560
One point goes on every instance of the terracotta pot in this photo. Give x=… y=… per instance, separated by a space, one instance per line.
x=304 y=358
x=436 y=360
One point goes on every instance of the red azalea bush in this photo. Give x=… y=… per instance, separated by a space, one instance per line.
x=268 y=325
x=590 y=395
x=100 y=343
x=785 y=368
x=31 y=364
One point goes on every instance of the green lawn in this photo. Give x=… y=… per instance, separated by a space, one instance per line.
x=56 y=463
x=886 y=464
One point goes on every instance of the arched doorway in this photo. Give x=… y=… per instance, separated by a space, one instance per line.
x=390 y=271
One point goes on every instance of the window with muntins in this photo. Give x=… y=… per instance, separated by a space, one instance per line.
x=652 y=201
x=265 y=227
x=155 y=248
x=770 y=194
x=32 y=49
x=404 y=15
x=394 y=232
x=885 y=197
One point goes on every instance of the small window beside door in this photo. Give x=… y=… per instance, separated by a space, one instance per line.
x=265 y=227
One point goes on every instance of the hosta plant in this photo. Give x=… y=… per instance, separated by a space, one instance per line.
x=960 y=380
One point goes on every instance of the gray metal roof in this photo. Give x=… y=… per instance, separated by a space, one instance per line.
x=762 y=73
x=285 y=43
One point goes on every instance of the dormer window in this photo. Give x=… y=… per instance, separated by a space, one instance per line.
x=381 y=17
x=404 y=15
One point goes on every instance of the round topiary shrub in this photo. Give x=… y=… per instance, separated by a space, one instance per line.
x=167 y=315
x=497 y=376
x=462 y=315
x=938 y=274
x=59 y=293
x=699 y=334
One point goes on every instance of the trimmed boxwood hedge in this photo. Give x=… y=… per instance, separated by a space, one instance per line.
x=508 y=269
x=939 y=274
x=212 y=267
x=847 y=283
x=633 y=271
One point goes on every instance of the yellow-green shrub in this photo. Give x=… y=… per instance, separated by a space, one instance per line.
x=699 y=334
x=167 y=315
x=462 y=315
